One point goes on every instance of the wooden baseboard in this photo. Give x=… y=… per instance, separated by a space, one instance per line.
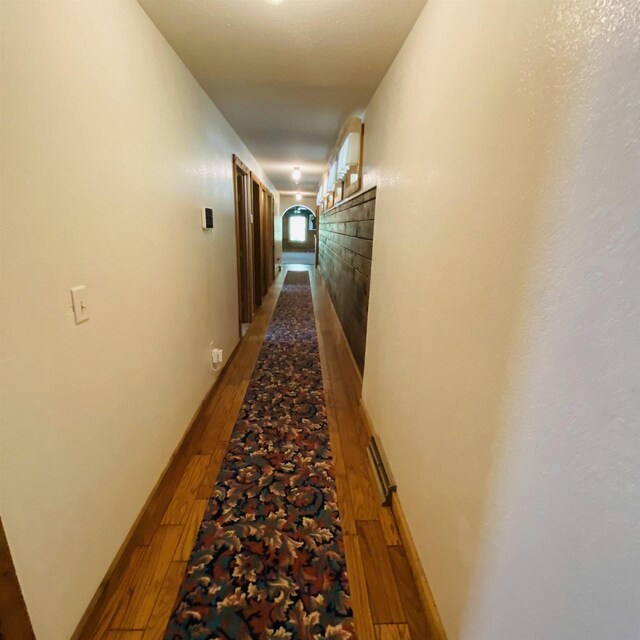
x=151 y=513
x=14 y=618
x=429 y=604
x=426 y=597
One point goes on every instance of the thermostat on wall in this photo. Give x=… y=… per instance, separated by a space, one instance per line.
x=207 y=218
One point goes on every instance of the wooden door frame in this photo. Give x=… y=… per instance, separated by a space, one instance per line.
x=317 y=251
x=269 y=238
x=260 y=266
x=246 y=307
x=256 y=189
x=271 y=212
x=264 y=237
x=14 y=618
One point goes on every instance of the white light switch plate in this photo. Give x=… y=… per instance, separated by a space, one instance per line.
x=79 y=301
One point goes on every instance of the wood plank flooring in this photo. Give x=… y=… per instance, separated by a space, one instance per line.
x=137 y=601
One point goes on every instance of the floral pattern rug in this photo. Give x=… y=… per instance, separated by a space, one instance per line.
x=269 y=557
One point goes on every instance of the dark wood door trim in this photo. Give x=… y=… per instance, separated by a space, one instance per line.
x=244 y=241
x=256 y=210
x=14 y=618
x=272 y=221
x=264 y=237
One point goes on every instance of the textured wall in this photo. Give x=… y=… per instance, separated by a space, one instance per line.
x=503 y=349
x=109 y=149
x=345 y=255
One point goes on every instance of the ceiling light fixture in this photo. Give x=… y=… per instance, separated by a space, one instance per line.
x=276 y=2
x=297 y=174
x=298 y=196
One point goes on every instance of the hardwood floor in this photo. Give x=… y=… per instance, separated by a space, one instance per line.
x=137 y=600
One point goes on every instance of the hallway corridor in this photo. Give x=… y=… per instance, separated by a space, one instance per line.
x=137 y=604
x=269 y=265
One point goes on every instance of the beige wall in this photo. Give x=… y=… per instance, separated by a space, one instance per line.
x=504 y=335
x=109 y=149
x=287 y=201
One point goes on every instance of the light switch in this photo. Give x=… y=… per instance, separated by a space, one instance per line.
x=79 y=301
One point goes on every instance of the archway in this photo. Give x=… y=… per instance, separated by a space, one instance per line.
x=298 y=235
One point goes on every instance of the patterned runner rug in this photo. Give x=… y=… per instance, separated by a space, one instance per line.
x=269 y=558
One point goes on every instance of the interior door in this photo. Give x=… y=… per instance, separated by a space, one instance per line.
x=258 y=233
x=271 y=239
x=244 y=242
x=265 y=240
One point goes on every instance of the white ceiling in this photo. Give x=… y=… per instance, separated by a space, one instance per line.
x=287 y=73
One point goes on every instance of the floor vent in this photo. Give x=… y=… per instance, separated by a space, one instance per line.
x=381 y=473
